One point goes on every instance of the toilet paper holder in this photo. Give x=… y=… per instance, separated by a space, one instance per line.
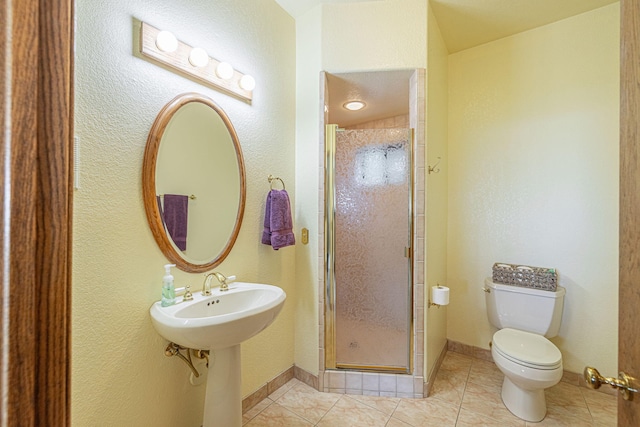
x=431 y=304
x=438 y=293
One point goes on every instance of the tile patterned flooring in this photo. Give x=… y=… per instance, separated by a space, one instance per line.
x=466 y=392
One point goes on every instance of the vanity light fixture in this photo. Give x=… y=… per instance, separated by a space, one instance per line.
x=354 y=105
x=164 y=48
x=224 y=70
x=247 y=82
x=166 y=41
x=198 y=57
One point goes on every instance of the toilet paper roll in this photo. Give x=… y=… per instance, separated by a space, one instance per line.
x=440 y=295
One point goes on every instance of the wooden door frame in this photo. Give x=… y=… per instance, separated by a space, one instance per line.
x=35 y=213
x=629 y=286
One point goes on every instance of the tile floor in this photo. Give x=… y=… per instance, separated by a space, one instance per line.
x=466 y=392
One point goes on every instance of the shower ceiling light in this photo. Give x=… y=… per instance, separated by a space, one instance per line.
x=354 y=105
x=164 y=48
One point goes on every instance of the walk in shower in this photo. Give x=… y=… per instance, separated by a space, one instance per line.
x=369 y=231
x=372 y=196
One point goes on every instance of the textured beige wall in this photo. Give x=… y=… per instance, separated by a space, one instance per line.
x=378 y=35
x=533 y=176
x=308 y=257
x=120 y=376
x=437 y=191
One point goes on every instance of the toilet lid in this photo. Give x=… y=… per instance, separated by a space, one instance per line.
x=532 y=349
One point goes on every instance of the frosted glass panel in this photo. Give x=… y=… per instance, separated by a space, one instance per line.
x=372 y=230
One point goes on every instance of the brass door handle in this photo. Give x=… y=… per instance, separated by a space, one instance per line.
x=624 y=383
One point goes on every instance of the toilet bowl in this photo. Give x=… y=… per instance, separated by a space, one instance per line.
x=529 y=361
x=530 y=364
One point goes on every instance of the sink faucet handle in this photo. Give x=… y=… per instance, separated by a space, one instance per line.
x=188 y=296
x=224 y=281
x=186 y=291
x=224 y=285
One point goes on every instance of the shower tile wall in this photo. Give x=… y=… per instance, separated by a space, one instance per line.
x=395 y=122
x=373 y=384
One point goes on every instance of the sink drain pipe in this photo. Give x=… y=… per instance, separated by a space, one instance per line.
x=174 y=349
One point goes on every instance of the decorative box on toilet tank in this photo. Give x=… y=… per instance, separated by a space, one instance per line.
x=525 y=276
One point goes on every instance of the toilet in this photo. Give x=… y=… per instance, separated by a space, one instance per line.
x=525 y=318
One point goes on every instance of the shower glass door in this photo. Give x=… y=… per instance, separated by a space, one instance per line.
x=369 y=233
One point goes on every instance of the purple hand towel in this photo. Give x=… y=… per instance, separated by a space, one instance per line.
x=266 y=233
x=278 y=231
x=175 y=215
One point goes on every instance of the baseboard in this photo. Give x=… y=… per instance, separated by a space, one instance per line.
x=484 y=354
x=278 y=381
x=469 y=350
x=306 y=377
x=432 y=376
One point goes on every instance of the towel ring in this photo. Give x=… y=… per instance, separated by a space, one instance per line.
x=272 y=178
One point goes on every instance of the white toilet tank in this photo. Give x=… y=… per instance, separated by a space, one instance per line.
x=526 y=309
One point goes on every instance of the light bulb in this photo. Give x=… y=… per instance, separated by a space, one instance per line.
x=247 y=83
x=224 y=70
x=198 y=57
x=166 y=41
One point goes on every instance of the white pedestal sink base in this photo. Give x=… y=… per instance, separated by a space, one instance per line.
x=223 y=320
x=223 y=400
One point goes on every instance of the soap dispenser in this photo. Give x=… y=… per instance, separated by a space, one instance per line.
x=168 y=290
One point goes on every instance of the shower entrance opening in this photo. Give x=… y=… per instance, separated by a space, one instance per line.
x=368 y=253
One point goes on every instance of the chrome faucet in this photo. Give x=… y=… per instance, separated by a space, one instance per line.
x=206 y=286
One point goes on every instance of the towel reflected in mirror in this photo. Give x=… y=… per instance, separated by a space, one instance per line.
x=174 y=209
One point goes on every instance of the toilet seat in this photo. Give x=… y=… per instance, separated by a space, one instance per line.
x=527 y=349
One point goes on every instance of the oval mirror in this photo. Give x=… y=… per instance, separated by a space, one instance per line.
x=193 y=183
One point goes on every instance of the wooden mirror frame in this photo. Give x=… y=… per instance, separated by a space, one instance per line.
x=149 y=184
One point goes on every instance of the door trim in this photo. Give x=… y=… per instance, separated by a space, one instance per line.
x=629 y=256
x=35 y=213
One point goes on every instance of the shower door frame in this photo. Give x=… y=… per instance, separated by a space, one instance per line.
x=329 y=258
x=413 y=385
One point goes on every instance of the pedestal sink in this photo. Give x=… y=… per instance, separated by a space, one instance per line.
x=219 y=323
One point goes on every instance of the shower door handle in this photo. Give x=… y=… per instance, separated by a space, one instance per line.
x=408 y=252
